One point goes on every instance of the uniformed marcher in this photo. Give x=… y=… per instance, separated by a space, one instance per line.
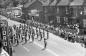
x=40 y=35
x=17 y=35
x=32 y=34
x=0 y=31
x=85 y=41
x=37 y=33
x=43 y=33
x=45 y=44
x=47 y=34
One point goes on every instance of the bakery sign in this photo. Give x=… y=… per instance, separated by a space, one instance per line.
x=84 y=22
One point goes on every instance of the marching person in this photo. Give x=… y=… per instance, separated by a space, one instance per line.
x=40 y=35
x=43 y=33
x=47 y=34
x=1 y=27
x=2 y=51
x=17 y=35
x=85 y=41
x=45 y=44
x=32 y=35
x=37 y=32
x=28 y=32
x=0 y=32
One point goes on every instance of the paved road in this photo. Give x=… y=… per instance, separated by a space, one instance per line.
x=56 y=47
x=30 y=50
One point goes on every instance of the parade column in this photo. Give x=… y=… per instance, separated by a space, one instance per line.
x=5 y=37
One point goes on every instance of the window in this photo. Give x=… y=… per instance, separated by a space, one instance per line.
x=57 y=10
x=84 y=22
x=58 y=19
x=84 y=10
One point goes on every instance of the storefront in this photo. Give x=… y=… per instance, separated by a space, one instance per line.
x=64 y=11
x=77 y=10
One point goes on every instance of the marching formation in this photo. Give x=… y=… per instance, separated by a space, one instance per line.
x=71 y=33
x=12 y=36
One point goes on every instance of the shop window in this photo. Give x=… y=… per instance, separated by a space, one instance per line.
x=58 y=19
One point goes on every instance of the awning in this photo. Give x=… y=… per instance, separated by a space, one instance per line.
x=54 y=2
x=76 y=2
x=63 y=3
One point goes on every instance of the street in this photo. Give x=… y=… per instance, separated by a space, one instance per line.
x=56 y=47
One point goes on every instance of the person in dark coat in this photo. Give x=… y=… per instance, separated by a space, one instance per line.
x=1 y=32
x=45 y=44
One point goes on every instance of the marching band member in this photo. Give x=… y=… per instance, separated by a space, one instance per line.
x=32 y=35
x=43 y=33
x=45 y=44
x=47 y=34
x=29 y=32
x=14 y=33
x=0 y=31
x=17 y=35
x=23 y=33
x=40 y=35
x=26 y=33
x=20 y=30
x=37 y=32
x=85 y=41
